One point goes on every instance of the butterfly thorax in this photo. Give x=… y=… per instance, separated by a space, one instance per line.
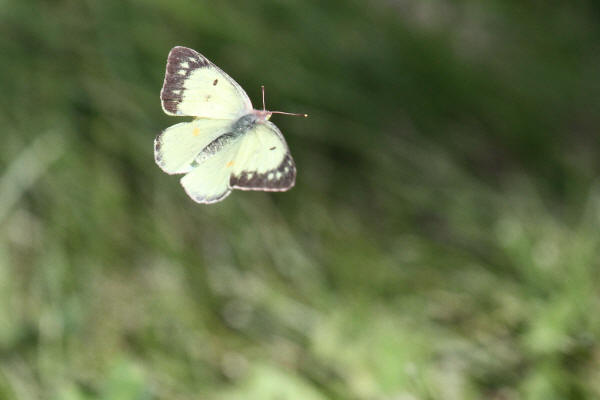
x=243 y=124
x=246 y=122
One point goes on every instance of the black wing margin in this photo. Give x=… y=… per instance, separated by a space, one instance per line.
x=181 y=62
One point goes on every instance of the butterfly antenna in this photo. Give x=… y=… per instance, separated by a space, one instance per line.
x=262 y=87
x=287 y=113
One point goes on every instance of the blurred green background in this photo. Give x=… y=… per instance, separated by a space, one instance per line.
x=441 y=241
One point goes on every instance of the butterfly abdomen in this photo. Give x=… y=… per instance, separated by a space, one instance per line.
x=214 y=147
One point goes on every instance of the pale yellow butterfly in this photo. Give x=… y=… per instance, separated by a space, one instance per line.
x=229 y=145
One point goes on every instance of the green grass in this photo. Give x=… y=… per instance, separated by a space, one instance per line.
x=441 y=241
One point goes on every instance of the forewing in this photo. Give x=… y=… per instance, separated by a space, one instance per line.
x=177 y=147
x=194 y=86
x=263 y=160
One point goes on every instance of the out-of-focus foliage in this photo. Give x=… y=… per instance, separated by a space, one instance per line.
x=441 y=242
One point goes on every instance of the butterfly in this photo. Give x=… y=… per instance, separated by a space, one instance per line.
x=228 y=145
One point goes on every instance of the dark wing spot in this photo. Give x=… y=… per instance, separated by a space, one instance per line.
x=272 y=148
x=215 y=82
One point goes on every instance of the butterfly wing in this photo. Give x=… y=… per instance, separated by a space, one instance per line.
x=208 y=182
x=263 y=160
x=176 y=148
x=194 y=86
x=259 y=159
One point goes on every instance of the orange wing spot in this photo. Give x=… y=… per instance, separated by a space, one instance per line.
x=196 y=131
x=230 y=164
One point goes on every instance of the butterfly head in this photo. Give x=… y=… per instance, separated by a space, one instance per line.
x=263 y=114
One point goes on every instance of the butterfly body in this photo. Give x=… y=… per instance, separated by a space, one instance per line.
x=245 y=123
x=229 y=145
